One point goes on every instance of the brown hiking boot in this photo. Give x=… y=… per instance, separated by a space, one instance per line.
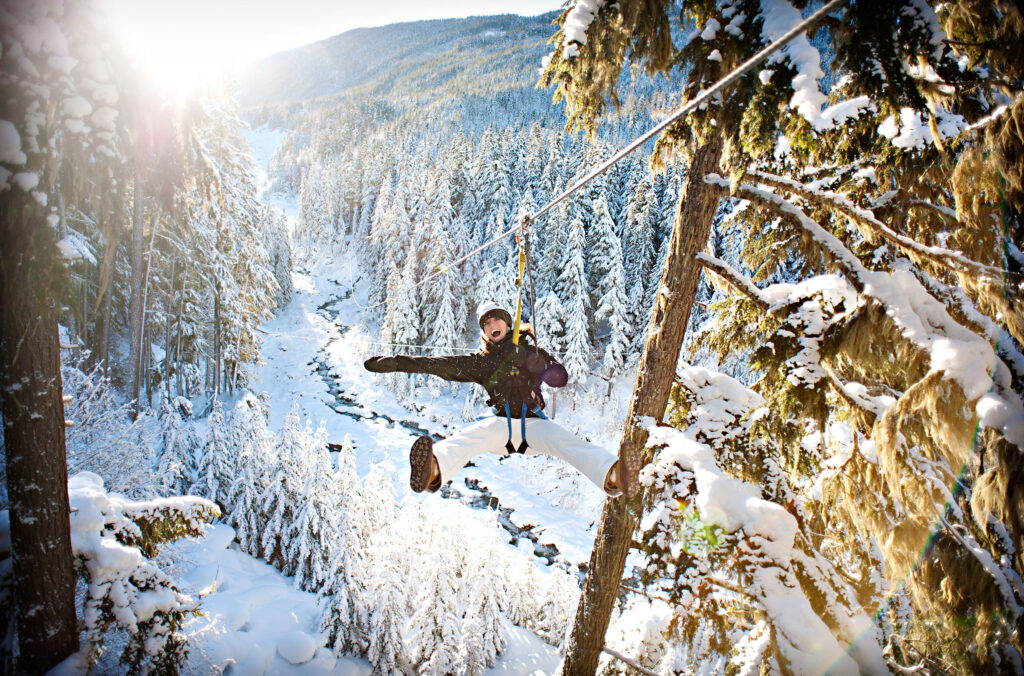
x=612 y=485
x=424 y=473
x=619 y=482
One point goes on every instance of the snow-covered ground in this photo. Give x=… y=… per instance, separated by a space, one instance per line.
x=254 y=620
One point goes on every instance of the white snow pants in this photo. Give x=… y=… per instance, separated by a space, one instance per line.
x=543 y=436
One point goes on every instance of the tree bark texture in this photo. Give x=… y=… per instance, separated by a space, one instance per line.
x=136 y=317
x=216 y=341
x=108 y=308
x=33 y=414
x=666 y=330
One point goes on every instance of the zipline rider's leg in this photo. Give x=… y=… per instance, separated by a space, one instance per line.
x=486 y=436
x=491 y=434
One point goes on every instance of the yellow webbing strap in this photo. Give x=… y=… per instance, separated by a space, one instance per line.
x=519 y=300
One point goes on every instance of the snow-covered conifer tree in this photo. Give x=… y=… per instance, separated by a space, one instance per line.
x=483 y=637
x=550 y=323
x=176 y=468
x=575 y=299
x=388 y=650
x=448 y=320
x=217 y=463
x=315 y=524
x=279 y=252
x=609 y=289
x=639 y=233
x=435 y=628
x=378 y=500
x=285 y=481
x=345 y=606
x=487 y=288
x=247 y=431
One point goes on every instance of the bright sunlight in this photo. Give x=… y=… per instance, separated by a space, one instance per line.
x=185 y=43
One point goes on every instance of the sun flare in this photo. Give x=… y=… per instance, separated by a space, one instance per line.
x=184 y=44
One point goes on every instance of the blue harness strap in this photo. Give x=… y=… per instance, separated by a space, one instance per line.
x=509 y=448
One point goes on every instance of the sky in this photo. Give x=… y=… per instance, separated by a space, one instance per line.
x=182 y=41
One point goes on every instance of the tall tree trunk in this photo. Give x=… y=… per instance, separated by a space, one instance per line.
x=86 y=333
x=147 y=363
x=177 y=348
x=33 y=414
x=167 y=330
x=102 y=304
x=216 y=339
x=666 y=330
x=148 y=336
x=108 y=312
x=136 y=318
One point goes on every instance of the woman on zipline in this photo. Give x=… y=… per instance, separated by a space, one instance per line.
x=512 y=375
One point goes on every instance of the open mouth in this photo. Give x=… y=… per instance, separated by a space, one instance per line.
x=495 y=334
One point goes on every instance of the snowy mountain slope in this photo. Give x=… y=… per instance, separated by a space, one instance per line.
x=407 y=57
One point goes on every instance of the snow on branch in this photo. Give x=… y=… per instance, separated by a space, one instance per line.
x=993 y=116
x=735 y=278
x=767 y=535
x=866 y=221
x=856 y=395
x=577 y=21
x=112 y=539
x=841 y=255
x=956 y=351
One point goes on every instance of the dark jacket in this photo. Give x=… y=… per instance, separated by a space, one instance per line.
x=510 y=374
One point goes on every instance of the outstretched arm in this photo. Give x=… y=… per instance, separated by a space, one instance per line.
x=459 y=368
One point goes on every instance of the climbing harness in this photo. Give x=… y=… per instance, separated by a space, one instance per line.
x=523 y=240
x=509 y=447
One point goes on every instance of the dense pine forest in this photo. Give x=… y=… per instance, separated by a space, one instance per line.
x=797 y=312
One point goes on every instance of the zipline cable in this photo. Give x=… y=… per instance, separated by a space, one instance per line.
x=695 y=103
x=686 y=109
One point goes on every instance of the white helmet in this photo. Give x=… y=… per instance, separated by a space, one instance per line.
x=488 y=309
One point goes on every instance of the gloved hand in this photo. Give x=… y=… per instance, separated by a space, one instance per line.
x=380 y=364
x=555 y=375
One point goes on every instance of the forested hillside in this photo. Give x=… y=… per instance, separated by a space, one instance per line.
x=412 y=172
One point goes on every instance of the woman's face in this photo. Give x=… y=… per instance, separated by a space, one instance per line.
x=495 y=329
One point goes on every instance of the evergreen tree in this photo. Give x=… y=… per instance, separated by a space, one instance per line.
x=574 y=292
x=387 y=650
x=345 y=617
x=853 y=293
x=255 y=459
x=483 y=637
x=217 y=463
x=177 y=465
x=314 y=531
x=448 y=319
x=435 y=627
x=378 y=501
x=280 y=501
x=550 y=323
x=612 y=306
